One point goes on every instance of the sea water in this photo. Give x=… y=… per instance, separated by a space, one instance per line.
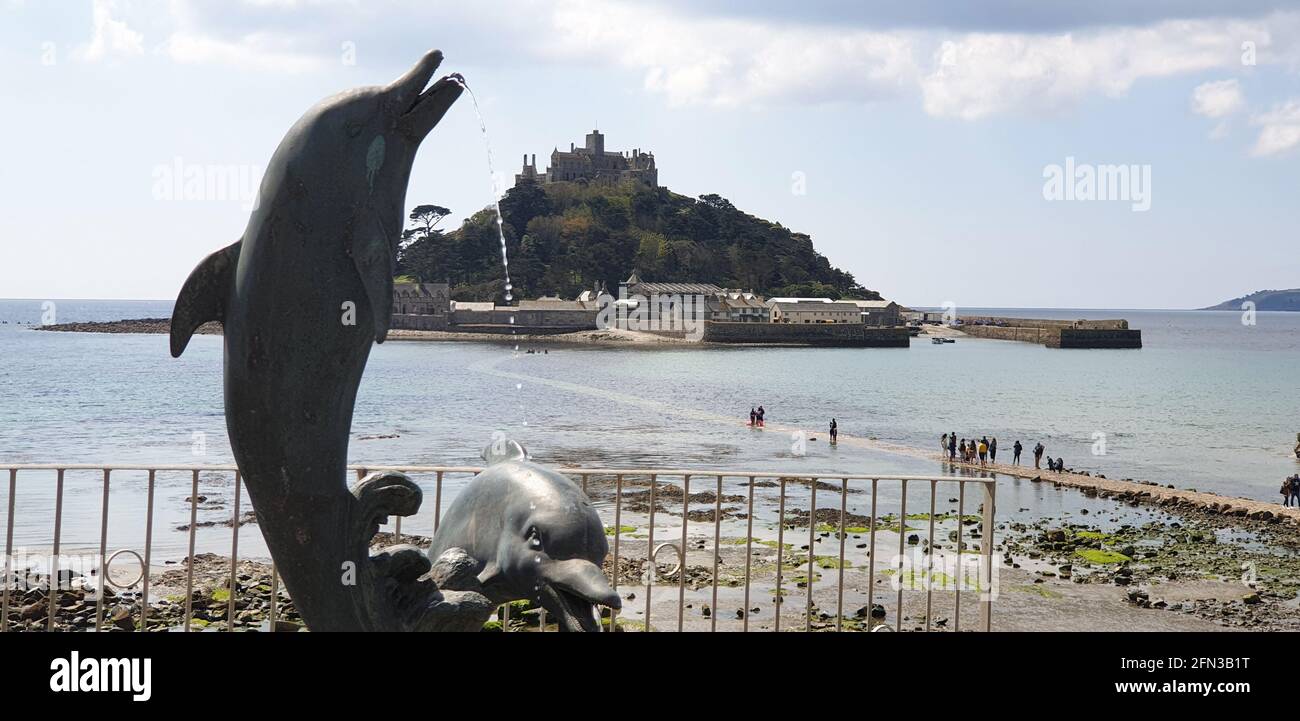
x=1208 y=403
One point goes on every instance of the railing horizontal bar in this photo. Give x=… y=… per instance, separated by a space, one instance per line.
x=475 y=469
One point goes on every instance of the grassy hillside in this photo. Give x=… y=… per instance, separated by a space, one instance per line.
x=1264 y=300
x=565 y=237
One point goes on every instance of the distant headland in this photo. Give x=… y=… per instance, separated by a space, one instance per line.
x=1264 y=300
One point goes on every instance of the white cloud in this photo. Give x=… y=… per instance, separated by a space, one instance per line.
x=1217 y=99
x=741 y=60
x=720 y=61
x=1279 y=129
x=255 y=52
x=110 y=36
x=730 y=62
x=986 y=73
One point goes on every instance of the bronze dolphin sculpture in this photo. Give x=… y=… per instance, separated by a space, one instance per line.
x=302 y=297
x=532 y=534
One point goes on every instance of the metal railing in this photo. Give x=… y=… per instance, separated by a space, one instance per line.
x=609 y=486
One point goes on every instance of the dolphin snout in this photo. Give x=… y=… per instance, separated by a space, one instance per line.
x=421 y=109
x=584 y=579
x=410 y=85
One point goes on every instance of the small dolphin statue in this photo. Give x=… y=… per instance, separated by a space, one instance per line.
x=302 y=298
x=533 y=534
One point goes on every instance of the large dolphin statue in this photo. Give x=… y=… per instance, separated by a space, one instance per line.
x=302 y=297
x=532 y=534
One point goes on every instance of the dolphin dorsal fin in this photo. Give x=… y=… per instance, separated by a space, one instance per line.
x=204 y=296
x=503 y=449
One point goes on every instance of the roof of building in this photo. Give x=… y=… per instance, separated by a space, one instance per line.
x=745 y=300
x=678 y=288
x=557 y=304
x=881 y=304
x=787 y=301
x=472 y=305
x=827 y=307
x=424 y=290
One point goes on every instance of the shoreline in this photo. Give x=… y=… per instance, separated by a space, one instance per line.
x=612 y=338
x=1128 y=489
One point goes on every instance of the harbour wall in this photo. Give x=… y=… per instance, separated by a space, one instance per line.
x=1055 y=333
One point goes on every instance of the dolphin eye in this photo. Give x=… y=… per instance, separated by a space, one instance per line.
x=534 y=537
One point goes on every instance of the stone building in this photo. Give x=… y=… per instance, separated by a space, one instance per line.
x=885 y=313
x=421 y=306
x=635 y=286
x=813 y=310
x=593 y=163
x=724 y=305
x=734 y=306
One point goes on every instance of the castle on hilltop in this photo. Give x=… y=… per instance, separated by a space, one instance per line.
x=592 y=163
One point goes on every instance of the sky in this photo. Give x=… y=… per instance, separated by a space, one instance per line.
x=1008 y=153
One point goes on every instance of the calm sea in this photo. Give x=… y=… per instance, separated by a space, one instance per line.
x=1208 y=403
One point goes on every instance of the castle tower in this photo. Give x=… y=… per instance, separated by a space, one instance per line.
x=595 y=143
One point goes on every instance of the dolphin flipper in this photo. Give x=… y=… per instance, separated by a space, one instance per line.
x=372 y=254
x=204 y=296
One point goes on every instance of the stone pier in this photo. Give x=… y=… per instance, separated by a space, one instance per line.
x=1055 y=333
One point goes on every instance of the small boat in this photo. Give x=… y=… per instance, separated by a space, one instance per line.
x=937 y=341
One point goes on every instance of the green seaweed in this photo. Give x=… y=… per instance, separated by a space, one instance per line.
x=1095 y=555
x=1037 y=589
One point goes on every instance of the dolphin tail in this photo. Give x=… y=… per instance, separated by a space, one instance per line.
x=204 y=296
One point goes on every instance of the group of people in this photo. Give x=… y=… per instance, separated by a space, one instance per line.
x=756 y=416
x=1291 y=491
x=985 y=451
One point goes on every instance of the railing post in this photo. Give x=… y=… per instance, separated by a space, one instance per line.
x=812 y=565
x=902 y=540
x=618 y=534
x=9 y=550
x=749 y=554
x=839 y=601
x=148 y=549
x=717 y=532
x=780 y=556
x=650 y=554
x=189 y=563
x=234 y=562
x=103 y=549
x=986 y=556
x=437 y=502
x=681 y=574
x=54 y=557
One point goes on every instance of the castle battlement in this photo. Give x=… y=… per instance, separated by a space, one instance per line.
x=592 y=163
